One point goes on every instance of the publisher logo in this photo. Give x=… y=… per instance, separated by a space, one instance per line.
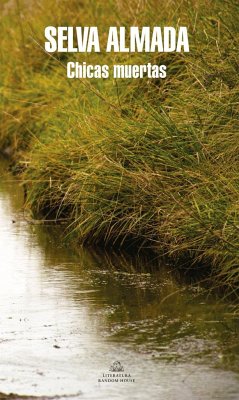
x=116 y=367
x=117 y=374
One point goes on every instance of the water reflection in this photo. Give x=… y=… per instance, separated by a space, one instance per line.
x=66 y=315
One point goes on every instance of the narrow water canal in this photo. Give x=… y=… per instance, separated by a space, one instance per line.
x=67 y=316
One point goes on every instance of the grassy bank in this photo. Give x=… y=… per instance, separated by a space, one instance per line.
x=149 y=161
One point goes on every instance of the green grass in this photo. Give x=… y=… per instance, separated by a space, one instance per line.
x=147 y=161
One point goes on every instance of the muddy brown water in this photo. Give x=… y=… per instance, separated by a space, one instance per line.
x=66 y=316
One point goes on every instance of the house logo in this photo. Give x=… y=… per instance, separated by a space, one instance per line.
x=116 y=367
x=116 y=374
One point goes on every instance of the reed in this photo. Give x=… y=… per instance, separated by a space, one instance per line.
x=150 y=162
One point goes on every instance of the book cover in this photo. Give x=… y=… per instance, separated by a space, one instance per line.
x=119 y=206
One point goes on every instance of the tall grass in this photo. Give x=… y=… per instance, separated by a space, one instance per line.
x=146 y=161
